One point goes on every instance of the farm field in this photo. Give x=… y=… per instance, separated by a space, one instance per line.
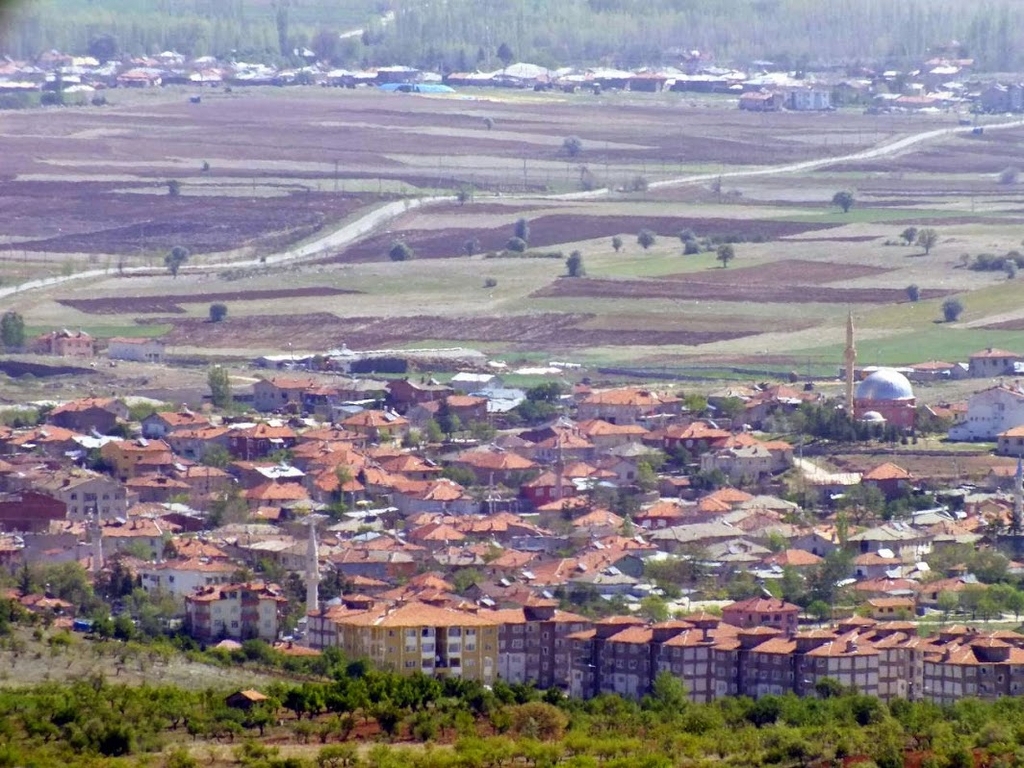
x=284 y=167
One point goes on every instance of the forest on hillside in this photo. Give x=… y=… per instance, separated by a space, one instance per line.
x=468 y=34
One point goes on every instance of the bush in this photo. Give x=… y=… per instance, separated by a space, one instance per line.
x=400 y=251
x=521 y=229
x=645 y=238
x=574 y=265
x=516 y=244
x=490 y=282
x=1009 y=176
x=638 y=184
x=218 y=312
x=617 y=243
x=913 y=293
x=691 y=247
x=572 y=146
x=952 y=309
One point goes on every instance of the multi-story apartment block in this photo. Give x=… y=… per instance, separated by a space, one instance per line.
x=622 y=655
x=533 y=645
x=411 y=637
x=239 y=611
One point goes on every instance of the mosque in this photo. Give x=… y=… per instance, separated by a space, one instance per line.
x=883 y=397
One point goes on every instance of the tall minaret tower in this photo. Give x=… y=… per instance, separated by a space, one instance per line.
x=1018 y=499
x=312 y=569
x=850 y=360
x=96 y=534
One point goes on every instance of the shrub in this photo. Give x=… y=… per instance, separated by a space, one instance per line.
x=173 y=187
x=913 y=292
x=691 y=247
x=516 y=244
x=638 y=184
x=400 y=251
x=1009 y=176
x=574 y=265
x=952 y=308
x=645 y=238
x=490 y=282
x=572 y=146
x=617 y=243
x=218 y=312
x=521 y=229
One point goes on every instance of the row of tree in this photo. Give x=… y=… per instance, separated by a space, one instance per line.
x=466 y=34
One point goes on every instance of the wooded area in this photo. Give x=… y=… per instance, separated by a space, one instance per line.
x=466 y=34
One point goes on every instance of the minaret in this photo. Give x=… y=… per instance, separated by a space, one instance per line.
x=312 y=570
x=1018 y=499
x=96 y=532
x=850 y=359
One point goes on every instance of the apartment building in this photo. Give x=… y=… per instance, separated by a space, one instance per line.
x=410 y=637
x=246 y=611
x=533 y=644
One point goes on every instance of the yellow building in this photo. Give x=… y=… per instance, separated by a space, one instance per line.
x=412 y=636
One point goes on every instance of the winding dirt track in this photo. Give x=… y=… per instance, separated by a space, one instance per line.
x=370 y=222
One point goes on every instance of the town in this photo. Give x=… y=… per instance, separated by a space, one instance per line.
x=564 y=535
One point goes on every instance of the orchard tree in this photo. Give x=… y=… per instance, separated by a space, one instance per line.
x=725 y=254
x=645 y=238
x=909 y=235
x=843 y=200
x=927 y=238
x=617 y=243
x=12 y=330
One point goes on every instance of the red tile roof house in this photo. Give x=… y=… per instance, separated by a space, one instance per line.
x=92 y=413
x=892 y=480
x=762 y=612
x=65 y=343
x=279 y=393
x=628 y=406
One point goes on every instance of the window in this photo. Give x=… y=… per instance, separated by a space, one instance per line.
x=455 y=632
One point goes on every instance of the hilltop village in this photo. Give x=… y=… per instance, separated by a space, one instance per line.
x=569 y=535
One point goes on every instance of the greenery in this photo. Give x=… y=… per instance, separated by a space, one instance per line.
x=521 y=229
x=572 y=146
x=725 y=254
x=913 y=292
x=220 y=386
x=645 y=238
x=175 y=259
x=843 y=200
x=952 y=308
x=218 y=312
x=12 y=330
x=400 y=251
x=617 y=243
x=927 y=238
x=574 y=265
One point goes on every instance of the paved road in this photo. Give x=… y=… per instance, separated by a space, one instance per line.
x=349 y=233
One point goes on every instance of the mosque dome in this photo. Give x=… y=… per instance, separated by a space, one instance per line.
x=885 y=384
x=873 y=417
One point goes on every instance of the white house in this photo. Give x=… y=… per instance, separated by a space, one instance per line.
x=139 y=350
x=183 y=577
x=990 y=413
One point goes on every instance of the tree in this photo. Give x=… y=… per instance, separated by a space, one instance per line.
x=103 y=47
x=488 y=123
x=617 y=243
x=574 y=264
x=820 y=610
x=521 y=229
x=573 y=146
x=645 y=238
x=12 y=330
x=471 y=246
x=218 y=312
x=220 y=386
x=516 y=244
x=843 y=200
x=173 y=187
x=947 y=602
x=173 y=260
x=913 y=292
x=505 y=54
x=909 y=235
x=725 y=254
x=400 y=251
x=952 y=308
x=927 y=238
x=465 y=195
